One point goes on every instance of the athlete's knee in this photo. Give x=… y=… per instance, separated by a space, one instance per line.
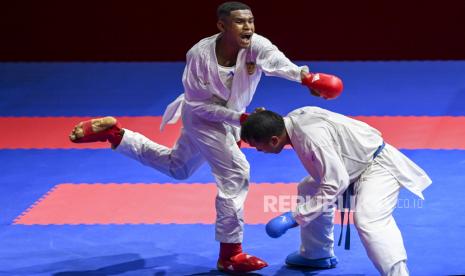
x=369 y=215
x=243 y=169
x=232 y=184
x=364 y=219
x=239 y=174
x=242 y=174
x=180 y=172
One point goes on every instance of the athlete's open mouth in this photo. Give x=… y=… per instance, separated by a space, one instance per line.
x=246 y=36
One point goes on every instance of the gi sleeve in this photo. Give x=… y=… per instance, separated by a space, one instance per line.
x=327 y=167
x=217 y=113
x=274 y=63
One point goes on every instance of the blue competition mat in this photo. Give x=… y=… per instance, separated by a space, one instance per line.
x=432 y=230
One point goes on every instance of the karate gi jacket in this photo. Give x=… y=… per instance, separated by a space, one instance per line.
x=336 y=150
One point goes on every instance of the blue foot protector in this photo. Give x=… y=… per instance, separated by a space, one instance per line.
x=295 y=259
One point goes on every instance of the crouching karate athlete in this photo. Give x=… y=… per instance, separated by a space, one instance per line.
x=219 y=79
x=337 y=151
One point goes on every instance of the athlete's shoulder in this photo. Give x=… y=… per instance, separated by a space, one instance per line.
x=204 y=45
x=260 y=40
x=308 y=110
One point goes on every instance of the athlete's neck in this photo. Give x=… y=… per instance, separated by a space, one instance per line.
x=287 y=139
x=225 y=53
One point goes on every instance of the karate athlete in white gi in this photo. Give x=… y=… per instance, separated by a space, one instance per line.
x=337 y=151
x=220 y=79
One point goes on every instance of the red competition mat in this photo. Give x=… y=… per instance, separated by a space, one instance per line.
x=404 y=132
x=150 y=203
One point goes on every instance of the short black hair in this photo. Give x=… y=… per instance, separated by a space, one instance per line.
x=261 y=126
x=226 y=8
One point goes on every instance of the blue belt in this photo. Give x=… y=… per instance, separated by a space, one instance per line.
x=346 y=204
x=378 y=151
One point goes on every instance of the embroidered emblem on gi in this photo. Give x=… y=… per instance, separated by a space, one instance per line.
x=251 y=67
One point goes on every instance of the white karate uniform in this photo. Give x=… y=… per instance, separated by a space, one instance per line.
x=210 y=113
x=336 y=151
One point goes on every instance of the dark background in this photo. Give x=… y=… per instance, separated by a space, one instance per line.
x=103 y=30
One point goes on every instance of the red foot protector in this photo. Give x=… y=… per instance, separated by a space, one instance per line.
x=111 y=134
x=152 y=204
x=241 y=263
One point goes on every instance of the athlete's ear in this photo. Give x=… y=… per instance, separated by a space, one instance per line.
x=274 y=140
x=220 y=25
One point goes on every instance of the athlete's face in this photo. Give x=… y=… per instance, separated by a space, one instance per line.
x=238 y=27
x=274 y=145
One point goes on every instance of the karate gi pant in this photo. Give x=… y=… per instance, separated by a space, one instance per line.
x=376 y=196
x=201 y=141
